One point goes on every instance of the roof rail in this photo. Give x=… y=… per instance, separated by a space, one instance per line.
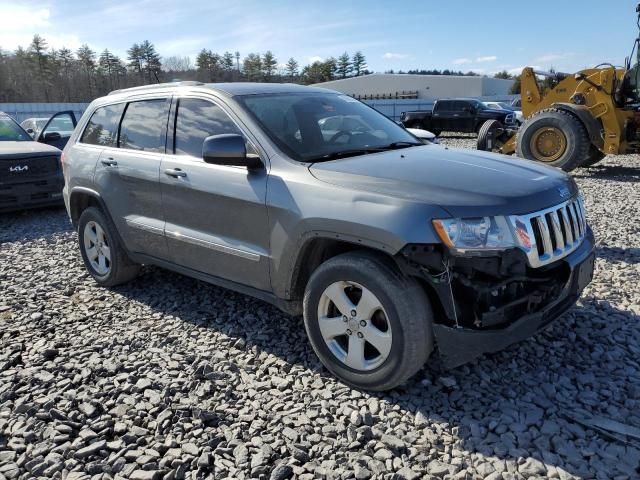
x=157 y=86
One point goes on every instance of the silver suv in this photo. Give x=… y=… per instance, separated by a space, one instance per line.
x=313 y=201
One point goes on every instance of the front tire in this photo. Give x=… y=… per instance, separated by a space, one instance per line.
x=488 y=136
x=554 y=137
x=102 y=253
x=369 y=324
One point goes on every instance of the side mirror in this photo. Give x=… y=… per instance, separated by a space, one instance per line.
x=51 y=137
x=229 y=149
x=31 y=131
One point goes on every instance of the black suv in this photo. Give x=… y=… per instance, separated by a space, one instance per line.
x=30 y=171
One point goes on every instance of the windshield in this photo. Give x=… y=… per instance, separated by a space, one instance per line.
x=320 y=126
x=10 y=131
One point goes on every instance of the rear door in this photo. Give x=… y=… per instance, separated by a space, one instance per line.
x=216 y=215
x=58 y=129
x=127 y=175
x=464 y=116
x=442 y=115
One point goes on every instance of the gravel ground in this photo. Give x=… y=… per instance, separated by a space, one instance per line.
x=169 y=377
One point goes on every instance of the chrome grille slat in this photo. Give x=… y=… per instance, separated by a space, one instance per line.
x=567 y=225
x=555 y=221
x=552 y=233
x=546 y=236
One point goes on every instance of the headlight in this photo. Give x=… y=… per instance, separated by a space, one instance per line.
x=484 y=233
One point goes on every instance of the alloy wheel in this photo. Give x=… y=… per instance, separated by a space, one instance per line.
x=354 y=325
x=97 y=248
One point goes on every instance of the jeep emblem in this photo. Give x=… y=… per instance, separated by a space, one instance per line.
x=564 y=192
x=19 y=168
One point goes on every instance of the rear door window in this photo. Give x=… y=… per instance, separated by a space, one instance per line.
x=196 y=120
x=144 y=125
x=102 y=128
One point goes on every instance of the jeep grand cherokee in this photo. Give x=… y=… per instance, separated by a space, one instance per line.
x=313 y=201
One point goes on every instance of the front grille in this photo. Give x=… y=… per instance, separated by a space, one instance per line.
x=553 y=233
x=23 y=169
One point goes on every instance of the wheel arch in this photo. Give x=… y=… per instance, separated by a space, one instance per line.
x=318 y=247
x=590 y=123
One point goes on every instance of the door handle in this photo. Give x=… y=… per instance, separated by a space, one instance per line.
x=109 y=162
x=175 y=172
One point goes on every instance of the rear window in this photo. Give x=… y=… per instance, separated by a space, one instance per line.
x=144 y=125
x=102 y=128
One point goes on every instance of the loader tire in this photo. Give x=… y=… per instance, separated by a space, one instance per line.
x=488 y=135
x=554 y=137
x=594 y=157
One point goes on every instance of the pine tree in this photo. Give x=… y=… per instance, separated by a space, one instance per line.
x=151 y=59
x=343 y=69
x=227 y=61
x=38 y=53
x=269 y=64
x=359 y=63
x=134 y=55
x=292 y=68
x=252 y=65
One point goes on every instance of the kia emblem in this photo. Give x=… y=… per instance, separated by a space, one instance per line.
x=19 y=168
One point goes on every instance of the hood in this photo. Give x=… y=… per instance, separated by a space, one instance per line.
x=14 y=150
x=463 y=182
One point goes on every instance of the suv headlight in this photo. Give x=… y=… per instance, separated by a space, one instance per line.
x=483 y=233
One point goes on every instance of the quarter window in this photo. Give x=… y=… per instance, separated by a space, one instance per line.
x=102 y=128
x=143 y=126
x=196 y=120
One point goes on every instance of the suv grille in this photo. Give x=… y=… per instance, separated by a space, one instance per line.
x=552 y=233
x=16 y=170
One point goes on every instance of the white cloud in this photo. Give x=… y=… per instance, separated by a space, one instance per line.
x=16 y=18
x=394 y=56
x=552 y=57
x=315 y=59
x=518 y=70
x=461 y=61
x=487 y=58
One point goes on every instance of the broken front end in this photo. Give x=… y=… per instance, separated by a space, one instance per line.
x=487 y=300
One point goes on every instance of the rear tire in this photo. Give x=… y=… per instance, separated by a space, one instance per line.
x=102 y=253
x=390 y=336
x=554 y=137
x=488 y=135
x=594 y=157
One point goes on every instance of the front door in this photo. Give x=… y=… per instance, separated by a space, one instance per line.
x=58 y=129
x=127 y=175
x=216 y=216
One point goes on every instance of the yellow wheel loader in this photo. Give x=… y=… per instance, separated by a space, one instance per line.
x=574 y=119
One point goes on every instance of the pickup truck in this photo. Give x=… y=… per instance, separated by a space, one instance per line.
x=456 y=115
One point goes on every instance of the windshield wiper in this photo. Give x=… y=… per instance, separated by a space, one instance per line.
x=395 y=145
x=345 y=153
x=363 y=151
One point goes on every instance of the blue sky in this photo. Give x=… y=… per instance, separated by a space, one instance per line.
x=484 y=36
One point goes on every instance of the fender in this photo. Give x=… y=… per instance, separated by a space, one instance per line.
x=593 y=126
x=74 y=214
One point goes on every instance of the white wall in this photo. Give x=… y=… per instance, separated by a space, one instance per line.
x=427 y=86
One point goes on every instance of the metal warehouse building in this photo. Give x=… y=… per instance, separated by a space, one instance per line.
x=428 y=87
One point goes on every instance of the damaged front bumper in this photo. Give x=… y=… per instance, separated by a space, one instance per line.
x=488 y=304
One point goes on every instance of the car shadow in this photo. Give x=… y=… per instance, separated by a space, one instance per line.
x=629 y=255
x=618 y=173
x=509 y=407
x=26 y=225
